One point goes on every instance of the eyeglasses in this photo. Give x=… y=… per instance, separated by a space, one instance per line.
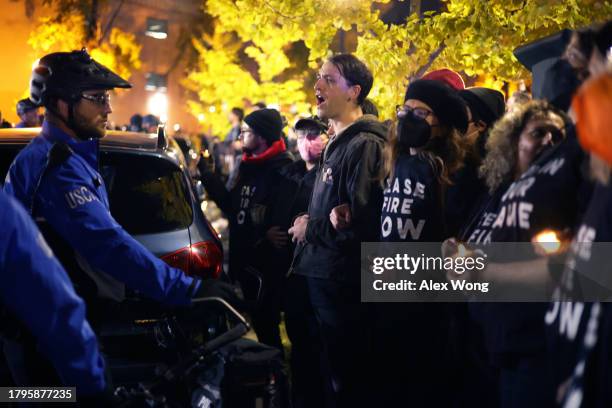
x=98 y=99
x=421 y=113
x=244 y=131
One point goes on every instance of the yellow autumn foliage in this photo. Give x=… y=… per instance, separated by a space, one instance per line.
x=120 y=52
x=473 y=36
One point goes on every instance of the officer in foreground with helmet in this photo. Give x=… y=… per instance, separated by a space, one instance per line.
x=28 y=113
x=56 y=178
x=52 y=312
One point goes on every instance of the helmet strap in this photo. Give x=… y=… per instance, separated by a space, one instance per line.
x=69 y=121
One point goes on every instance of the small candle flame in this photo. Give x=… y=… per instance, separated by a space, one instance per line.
x=549 y=241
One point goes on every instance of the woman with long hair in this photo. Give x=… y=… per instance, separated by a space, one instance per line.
x=532 y=171
x=425 y=149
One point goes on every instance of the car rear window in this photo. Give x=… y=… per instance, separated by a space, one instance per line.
x=147 y=194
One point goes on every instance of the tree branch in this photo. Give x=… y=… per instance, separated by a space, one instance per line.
x=432 y=57
x=110 y=22
x=29 y=9
x=92 y=21
x=267 y=3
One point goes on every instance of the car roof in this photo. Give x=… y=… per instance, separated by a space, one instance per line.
x=114 y=138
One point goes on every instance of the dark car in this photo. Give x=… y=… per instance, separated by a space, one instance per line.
x=151 y=195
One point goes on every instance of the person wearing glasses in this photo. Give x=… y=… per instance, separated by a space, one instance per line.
x=426 y=148
x=56 y=178
x=425 y=151
x=252 y=202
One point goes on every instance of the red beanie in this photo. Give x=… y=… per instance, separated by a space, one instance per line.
x=448 y=76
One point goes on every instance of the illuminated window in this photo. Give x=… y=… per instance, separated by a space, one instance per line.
x=156 y=82
x=157 y=28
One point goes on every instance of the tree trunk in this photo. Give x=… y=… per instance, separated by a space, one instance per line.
x=29 y=9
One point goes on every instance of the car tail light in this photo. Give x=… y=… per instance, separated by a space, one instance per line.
x=204 y=260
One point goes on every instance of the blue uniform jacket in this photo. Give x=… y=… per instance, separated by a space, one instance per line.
x=72 y=198
x=37 y=290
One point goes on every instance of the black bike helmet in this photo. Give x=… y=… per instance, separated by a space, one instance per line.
x=66 y=75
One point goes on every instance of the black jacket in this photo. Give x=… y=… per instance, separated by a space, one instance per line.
x=251 y=205
x=463 y=197
x=350 y=173
x=296 y=187
x=303 y=182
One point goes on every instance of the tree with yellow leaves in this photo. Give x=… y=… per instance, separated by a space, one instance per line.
x=469 y=35
x=221 y=81
x=75 y=25
x=473 y=36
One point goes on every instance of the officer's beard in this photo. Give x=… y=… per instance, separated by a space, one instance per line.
x=85 y=128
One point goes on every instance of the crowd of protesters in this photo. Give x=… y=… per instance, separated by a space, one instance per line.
x=446 y=170
x=457 y=165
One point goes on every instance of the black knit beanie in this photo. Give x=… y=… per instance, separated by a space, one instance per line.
x=485 y=104
x=443 y=100
x=266 y=123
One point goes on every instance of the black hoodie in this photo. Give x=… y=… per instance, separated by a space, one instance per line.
x=250 y=207
x=350 y=173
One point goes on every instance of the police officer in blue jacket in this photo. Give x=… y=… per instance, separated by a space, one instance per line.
x=37 y=292
x=56 y=178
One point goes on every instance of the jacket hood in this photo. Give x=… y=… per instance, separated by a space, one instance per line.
x=367 y=124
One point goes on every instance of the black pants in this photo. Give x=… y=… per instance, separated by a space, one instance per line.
x=526 y=383
x=307 y=385
x=266 y=294
x=411 y=347
x=478 y=376
x=266 y=319
x=343 y=325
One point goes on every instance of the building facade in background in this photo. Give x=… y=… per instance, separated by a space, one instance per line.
x=160 y=27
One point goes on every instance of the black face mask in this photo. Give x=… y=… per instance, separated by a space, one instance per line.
x=560 y=84
x=413 y=131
